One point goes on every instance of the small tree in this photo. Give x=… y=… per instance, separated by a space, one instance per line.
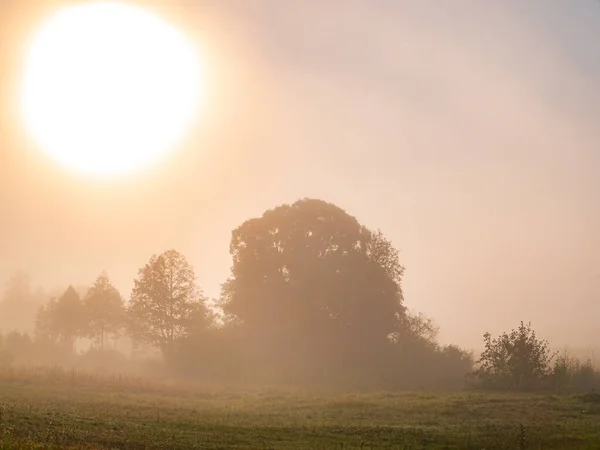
x=61 y=321
x=515 y=360
x=104 y=311
x=44 y=326
x=19 y=345
x=69 y=317
x=165 y=301
x=17 y=308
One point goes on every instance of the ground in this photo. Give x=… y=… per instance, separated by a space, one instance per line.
x=59 y=409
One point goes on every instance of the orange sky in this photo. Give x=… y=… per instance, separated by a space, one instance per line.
x=467 y=131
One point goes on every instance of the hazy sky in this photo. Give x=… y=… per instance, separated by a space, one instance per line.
x=468 y=131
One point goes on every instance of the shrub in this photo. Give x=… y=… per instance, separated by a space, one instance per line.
x=516 y=360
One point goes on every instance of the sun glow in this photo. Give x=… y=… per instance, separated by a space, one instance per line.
x=109 y=88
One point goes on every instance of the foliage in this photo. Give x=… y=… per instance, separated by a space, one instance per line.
x=62 y=321
x=165 y=301
x=569 y=374
x=44 y=322
x=310 y=284
x=515 y=360
x=104 y=311
x=416 y=328
x=314 y=299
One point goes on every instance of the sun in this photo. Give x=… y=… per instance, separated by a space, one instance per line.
x=108 y=87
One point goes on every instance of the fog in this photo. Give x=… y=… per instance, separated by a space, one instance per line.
x=466 y=131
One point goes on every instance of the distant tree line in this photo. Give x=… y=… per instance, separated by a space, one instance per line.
x=314 y=298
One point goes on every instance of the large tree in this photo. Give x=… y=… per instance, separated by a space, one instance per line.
x=104 y=311
x=166 y=303
x=309 y=280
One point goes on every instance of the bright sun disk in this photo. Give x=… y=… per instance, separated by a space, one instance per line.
x=109 y=87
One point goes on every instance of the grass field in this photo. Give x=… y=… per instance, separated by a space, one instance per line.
x=58 y=409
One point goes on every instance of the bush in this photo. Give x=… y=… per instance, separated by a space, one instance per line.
x=517 y=360
x=585 y=378
x=561 y=378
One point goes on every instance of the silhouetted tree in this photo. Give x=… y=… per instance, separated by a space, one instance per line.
x=17 y=309
x=456 y=363
x=18 y=287
x=515 y=360
x=165 y=302
x=416 y=327
x=19 y=344
x=44 y=323
x=104 y=311
x=69 y=318
x=63 y=320
x=310 y=284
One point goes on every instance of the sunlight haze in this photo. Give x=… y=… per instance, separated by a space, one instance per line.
x=108 y=87
x=467 y=131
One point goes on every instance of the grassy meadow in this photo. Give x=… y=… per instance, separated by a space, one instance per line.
x=55 y=408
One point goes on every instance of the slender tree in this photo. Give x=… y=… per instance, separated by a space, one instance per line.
x=104 y=311
x=166 y=301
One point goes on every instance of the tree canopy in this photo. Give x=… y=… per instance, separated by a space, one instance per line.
x=309 y=278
